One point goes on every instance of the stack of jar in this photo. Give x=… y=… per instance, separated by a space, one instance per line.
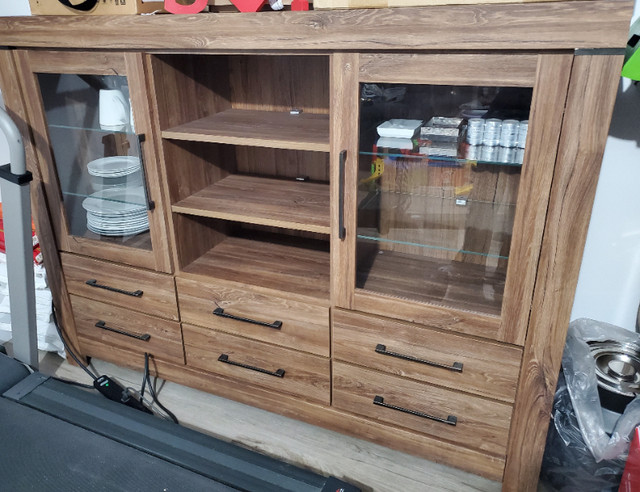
x=496 y=140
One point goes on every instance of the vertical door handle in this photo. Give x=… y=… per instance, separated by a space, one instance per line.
x=150 y=203
x=341 y=229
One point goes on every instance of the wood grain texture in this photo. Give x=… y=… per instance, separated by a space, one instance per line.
x=450 y=69
x=302 y=273
x=305 y=375
x=454 y=284
x=158 y=291
x=592 y=91
x=436 y=450
x=305 y=327
x=488 y=369
x=306 y=131
x=165 y=341
x=272 y=202
x=141 y=101
x=280 y=83
x=481 y=424
x=444 y=318
x=545 y=120
x=97 y=63
x=567 y=25
x=344 y=141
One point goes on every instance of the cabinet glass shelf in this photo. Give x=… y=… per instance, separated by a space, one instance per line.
x=436 y=202
x=124 y=130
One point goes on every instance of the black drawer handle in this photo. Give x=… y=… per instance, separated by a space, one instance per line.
x=144 y=337
x=382 y=349
x=279 y=373
x=94 y=283
x=450 y=420
x=220 y=312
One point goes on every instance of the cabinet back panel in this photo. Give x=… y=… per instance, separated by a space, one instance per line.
x=280 y=83
x=188 y=88
x=282 y=163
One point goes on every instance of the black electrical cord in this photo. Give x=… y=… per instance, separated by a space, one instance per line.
x=66 y=346
x=73 y=383
x=152 y=390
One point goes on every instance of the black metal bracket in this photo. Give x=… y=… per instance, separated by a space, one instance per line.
x=19 y=179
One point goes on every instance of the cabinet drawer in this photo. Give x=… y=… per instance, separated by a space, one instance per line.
x=117 y=327
x=131 y=288
x=257 y=363
x=415 y=351
x=256 y=315
x=452 y=415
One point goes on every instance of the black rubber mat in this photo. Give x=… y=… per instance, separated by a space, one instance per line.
x=59 y=437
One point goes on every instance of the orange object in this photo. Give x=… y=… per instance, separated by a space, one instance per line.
x=299 y=5
x=631 y=476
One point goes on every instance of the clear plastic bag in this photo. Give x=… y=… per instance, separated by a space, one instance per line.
x=580 y=454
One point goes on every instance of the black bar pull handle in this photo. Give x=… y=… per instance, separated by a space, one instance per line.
x=382 y=349
x=94 y=283
x=150 y=203
x=450 y=420
x=220 y=312
x=342 y=232
x=279 y=373
x=144 y=337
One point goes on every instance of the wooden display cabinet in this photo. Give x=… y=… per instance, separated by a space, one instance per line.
x=398 y=292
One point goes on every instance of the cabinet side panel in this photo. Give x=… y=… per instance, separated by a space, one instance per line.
x=592 y=93
x=547 y=109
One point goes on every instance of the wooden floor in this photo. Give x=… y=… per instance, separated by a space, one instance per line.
x=372 y=467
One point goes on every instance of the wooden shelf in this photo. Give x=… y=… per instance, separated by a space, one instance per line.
x=302 y=271
x=467 y=286
x=305 y=131
x=272 y=202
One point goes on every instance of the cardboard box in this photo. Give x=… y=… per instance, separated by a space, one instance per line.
x=102 y=7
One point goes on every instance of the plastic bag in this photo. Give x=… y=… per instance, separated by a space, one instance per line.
x=568 y=464
x=579 y=454
x=578 y=366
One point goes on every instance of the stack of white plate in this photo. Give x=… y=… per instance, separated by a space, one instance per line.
x=115 y=171
x=119 y=211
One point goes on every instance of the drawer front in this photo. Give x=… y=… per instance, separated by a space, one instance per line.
x=256 y=315
x=479 y=423
x=116 y=327
x=415 y=351
x=257 y=363
x=132 y=288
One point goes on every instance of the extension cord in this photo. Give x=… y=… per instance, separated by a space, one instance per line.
x=116 y=392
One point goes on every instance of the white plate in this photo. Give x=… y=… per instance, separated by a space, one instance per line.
x=399 y=128
x=116 y=202
x=118 y=232
x=119 y=165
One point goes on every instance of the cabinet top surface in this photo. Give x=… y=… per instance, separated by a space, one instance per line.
x=591 y=24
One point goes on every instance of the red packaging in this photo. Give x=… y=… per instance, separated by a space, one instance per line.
x=631 y=476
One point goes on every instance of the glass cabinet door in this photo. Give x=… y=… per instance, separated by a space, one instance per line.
x=98 y=160
x=97 y=157
x=438 y=174
x=442 y=169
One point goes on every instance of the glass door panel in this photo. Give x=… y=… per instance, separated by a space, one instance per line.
x=97 y=157
x=439 y=169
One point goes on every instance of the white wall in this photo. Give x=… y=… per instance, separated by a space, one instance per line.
x=609 y=283
x=14 y=7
